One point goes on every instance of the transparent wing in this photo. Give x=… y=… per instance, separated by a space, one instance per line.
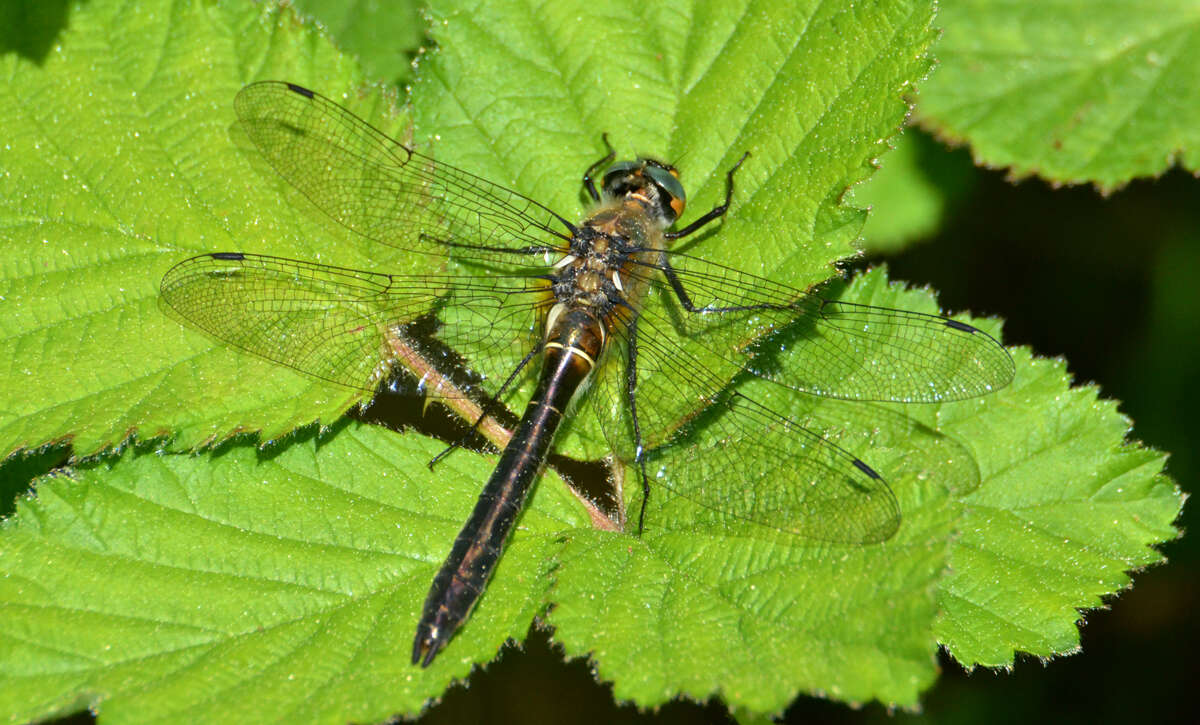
x=826 y=347
x=385 y=191
x=741 y=460
x=737 y=458
x=356 y=328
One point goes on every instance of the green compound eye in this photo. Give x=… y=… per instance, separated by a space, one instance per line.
x=623 y=167
x=667 y=182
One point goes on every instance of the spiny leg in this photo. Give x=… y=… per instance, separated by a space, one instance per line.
x=717 y=211
x=631 y=395
x=487 y=408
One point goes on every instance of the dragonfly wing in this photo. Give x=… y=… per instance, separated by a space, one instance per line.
x=737 y=459
x=827 y=347
x=741 y=461
x=385 y=191
x=356 y=328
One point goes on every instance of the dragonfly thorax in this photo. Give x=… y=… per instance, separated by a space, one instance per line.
x=606 y=263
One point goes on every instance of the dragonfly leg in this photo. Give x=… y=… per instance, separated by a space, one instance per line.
x=631 y=395
x=686 y=300
x=487 y=409
x=717 y=211
x=588 y=182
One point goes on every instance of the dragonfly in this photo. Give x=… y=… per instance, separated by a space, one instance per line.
x=603 y=311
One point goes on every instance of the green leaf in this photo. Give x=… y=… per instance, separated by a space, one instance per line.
x=314 y=561
x=117 y=166
x=92 y=252
x=1067 y=510
x=1051 y=514
x=385 y=36
x=1078 y=92
x=238 y=586
x=324 y=541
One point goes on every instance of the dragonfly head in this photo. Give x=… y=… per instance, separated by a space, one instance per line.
x=651 y=183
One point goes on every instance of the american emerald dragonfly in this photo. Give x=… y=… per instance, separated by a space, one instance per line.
x=651 y=338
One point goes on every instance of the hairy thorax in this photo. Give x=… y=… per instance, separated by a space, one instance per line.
x=606 y=267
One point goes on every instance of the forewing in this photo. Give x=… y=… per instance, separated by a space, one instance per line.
x=387 y=192
x=826 y=347
x=356 y=328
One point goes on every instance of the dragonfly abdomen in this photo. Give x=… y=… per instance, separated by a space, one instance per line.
x=574 y=342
